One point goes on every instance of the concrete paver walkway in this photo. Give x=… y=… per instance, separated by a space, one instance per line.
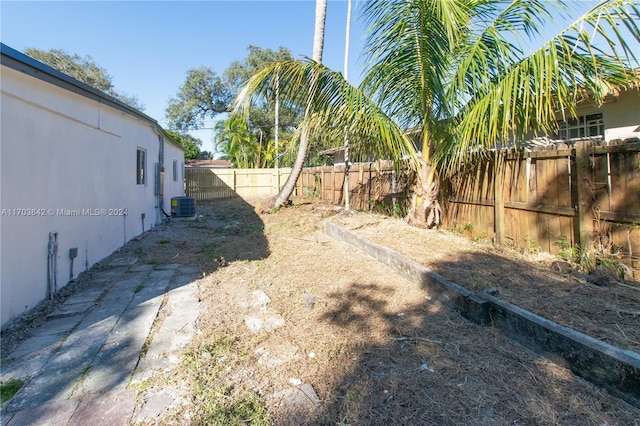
x=78 y=364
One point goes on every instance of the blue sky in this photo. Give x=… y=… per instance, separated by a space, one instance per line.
x=147 y=46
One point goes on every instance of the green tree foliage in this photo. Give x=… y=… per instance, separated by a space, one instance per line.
x=190 y=144
x=466 y=75
x=202 y=95
x=334 y=106
x=205 y=94
x=241 y=147
x=474 y=74
x=205 y=155
x=83 y=69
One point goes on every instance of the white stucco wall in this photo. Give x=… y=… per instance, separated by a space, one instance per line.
x=67 y=166
x=174 y=185
x=622 y=118
x=621 y=115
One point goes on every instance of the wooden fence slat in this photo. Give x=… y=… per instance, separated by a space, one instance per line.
x=529 y=198
x=581 y=195
x=498 y=188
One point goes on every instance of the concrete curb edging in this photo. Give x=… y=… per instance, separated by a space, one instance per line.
x=469 y=304
x=605 y=365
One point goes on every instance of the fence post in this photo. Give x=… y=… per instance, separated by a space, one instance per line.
x=274 y=181
x=187 y=182
x=370 y=185
x=581 y=195
x=234 y=181
x=498 y=197
x=303 y=182
x=333 y=184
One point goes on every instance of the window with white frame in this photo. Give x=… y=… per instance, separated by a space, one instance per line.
x=141 y=166
x=583 y=126
x=175 y=170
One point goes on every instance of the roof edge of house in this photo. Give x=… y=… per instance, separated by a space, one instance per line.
x=164 y=133
x=18 y=61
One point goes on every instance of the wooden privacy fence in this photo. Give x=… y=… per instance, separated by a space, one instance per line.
x=369 y=183
x=205 y=183
x=585 y=195
x=581 y=195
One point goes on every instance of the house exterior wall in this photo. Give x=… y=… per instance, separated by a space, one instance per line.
x=621 y=115
x=68 y=165
x=173 y=183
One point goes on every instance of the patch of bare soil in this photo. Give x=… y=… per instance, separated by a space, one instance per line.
x=374 y=347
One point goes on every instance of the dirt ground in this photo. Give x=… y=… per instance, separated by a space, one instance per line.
x=600 y=305
x=374 y=347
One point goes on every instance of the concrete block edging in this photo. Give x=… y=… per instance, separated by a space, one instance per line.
x=615 y=370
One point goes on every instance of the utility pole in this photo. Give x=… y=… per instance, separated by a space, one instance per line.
x=276 y=124
x=347 y=204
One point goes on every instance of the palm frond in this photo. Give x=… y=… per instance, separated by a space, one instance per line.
x=493 y=45
x=333 y=105
x=588 y=59
x=409 y=45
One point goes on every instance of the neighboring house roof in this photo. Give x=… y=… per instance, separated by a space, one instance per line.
x=20 y=62
x=216 y=164
x=332 y=151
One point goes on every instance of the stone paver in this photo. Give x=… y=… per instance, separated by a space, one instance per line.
x=175 y=333
x=108 y=408
x=52 y=413
x=264 y=321
x=78 y=364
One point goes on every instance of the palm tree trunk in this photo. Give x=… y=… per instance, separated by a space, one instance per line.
x=318 y=33
x=276 y=126
x=290 y=184
x=425 y=210
x=318 y=46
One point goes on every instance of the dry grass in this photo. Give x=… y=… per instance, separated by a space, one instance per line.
x=610 y=313
x=376 y=350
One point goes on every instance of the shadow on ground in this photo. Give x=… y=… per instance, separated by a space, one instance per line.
x=91 y=338
x=436 y=368
x=223 y=231
x=377 y=350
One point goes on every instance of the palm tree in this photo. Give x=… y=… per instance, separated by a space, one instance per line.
x=318 y=32
x=455 y=71
x=462 y=74
x=303 y=149
x=234 y=141
x=244 y=147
